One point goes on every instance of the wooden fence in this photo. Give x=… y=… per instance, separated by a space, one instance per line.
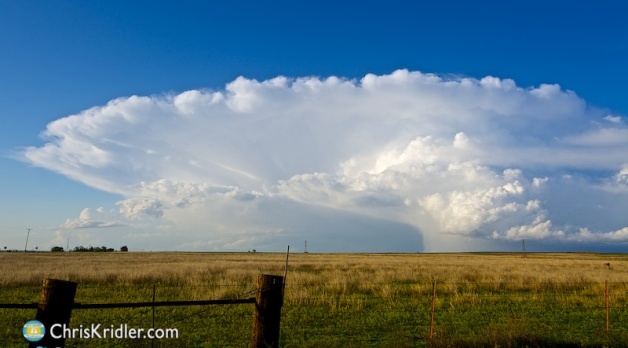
x=57 y=302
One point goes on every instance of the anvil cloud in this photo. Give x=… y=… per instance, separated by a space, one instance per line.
x=391 y=160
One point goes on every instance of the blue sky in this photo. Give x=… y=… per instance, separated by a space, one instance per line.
x=533 y=147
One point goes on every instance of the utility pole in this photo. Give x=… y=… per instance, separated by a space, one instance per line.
x=523 y=248
x=305 y=249
x=67 y=246
x=27 y=234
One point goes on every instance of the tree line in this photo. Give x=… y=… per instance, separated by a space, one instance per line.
x=81 y=248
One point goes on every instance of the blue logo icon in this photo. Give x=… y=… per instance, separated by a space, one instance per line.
x=33 y=331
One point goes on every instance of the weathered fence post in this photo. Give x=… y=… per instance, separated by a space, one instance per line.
x=268 y=302
x=608 y=331
x=55 y=307
x=433 y=310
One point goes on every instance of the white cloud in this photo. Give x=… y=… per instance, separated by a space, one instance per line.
x=622 y=176
x=465 y=212
x=459 y=156
x=538 y=229
x=613 y=119
x=92 y=218
x=538 y=182
x=585 y=235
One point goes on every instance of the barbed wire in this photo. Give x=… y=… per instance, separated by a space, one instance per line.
x=429 y=283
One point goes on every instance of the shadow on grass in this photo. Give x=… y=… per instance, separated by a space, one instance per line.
x=525 y=332
x=515 y=342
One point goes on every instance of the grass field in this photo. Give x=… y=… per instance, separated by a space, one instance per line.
x=339 y=300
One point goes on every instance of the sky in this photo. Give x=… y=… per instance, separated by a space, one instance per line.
x=359 y=126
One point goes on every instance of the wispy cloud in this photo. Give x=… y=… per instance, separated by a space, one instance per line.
x=446 y=156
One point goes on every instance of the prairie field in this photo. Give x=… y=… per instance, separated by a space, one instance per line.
x=339 y=300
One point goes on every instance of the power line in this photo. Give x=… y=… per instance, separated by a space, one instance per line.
x=27 y=235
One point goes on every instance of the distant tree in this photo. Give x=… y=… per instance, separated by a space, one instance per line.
x=124 y=248
x=103 y=248
x=56 y=249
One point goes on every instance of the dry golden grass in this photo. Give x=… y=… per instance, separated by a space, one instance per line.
x=316 y=273
x=194 y=268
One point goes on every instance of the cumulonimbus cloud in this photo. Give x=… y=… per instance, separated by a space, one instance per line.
x=479 y=158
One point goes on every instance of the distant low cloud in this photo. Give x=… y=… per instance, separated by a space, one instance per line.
x=454 y=158
x=91 y=219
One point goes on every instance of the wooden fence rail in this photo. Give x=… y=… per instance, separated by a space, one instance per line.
x=57 y=302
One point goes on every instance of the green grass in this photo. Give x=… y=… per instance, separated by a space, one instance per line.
x=335 y=300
